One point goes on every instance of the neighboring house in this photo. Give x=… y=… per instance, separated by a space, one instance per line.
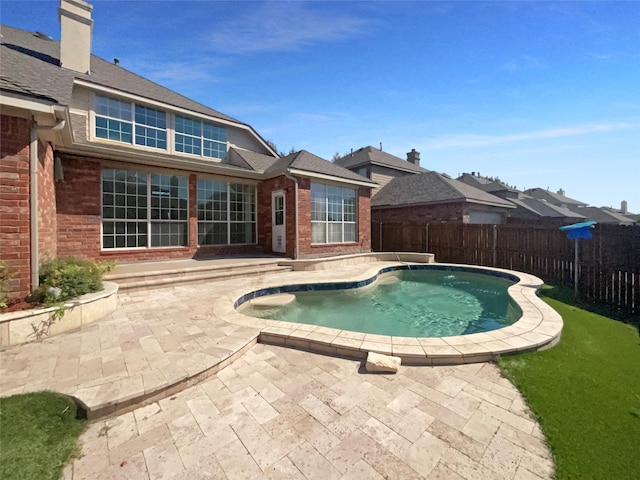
x=434 y=198
x=381 y=166
x=559 y=198
x=603 y=215
x=101 y=163
x=497 y=188
x=529 y=209
x=409 y=193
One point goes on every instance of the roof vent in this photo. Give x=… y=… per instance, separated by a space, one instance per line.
x=42 y=36
x=116 y=61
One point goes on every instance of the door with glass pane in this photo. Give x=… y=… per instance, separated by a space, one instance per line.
x=278 y=231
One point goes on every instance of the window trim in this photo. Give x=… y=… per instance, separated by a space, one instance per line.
x=148 y=220
x=326 y=221
x=228 y=221
x=170 y=131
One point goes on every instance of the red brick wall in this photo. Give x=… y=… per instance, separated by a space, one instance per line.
x=79 y=219
x=363 y=243
x=47 y=220
x=14 y=202
x=78 y=207
x=442 y=213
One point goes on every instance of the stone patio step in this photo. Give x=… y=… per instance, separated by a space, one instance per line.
x=130 y=280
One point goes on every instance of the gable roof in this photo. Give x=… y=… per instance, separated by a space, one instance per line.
x=248 y=159
x=306 y=162
x=602 y=215
x=432 y=188
x=485 y=184
x=541 y=208
x=554 y=198
x=33 y=62
x=375 y=156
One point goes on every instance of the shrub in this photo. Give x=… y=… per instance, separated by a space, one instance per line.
x=65 y=278
x=4 y=283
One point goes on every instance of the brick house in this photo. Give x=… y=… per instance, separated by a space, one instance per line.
x=529 y=209
x=381 y=166
x=409 y=193
x=101 y=163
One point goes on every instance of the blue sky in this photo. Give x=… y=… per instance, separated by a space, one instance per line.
x=540 y=94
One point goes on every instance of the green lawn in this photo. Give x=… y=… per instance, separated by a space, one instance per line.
x=586 y=394
x=38 y=434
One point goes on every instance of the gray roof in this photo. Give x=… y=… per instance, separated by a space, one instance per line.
x=375 y=156
x=309 y=162
x=543 y=209
x=602 y=215
x=248 y=159
x=485 y=184
x=554 y=198
x=431 y=188
x=33 y=63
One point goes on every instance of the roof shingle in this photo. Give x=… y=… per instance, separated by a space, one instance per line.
x=371 y=155
x=432 y=187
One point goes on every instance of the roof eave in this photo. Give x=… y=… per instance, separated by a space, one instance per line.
x=152 y=159
x=324 y=176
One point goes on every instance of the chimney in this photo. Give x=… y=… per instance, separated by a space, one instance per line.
x=75 y=38
x=413 y=157
x=561 y=192
x=623 y=207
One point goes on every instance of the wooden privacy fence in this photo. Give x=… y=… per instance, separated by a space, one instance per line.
x=609 y=263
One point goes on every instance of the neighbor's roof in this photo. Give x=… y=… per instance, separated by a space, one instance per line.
x=602 y=215
x=375 y=156
x=485 y=184
x=309 y=162
x=432 y=188
x=554 y=198
x=33 y=63
x=543 y=209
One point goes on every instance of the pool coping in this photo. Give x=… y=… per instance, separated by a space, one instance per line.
x=539 y=327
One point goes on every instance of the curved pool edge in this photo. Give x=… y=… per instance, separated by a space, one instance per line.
x=539 y=327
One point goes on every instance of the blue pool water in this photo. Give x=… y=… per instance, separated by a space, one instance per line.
x=423 y=303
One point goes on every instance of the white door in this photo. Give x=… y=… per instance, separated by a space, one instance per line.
x=278 y=231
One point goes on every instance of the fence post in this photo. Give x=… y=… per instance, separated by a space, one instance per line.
x=495 y=245
x=426 y=238
x=381 y=236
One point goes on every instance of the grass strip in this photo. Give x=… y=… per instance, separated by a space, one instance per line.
x=38 y=435
x=585 y=392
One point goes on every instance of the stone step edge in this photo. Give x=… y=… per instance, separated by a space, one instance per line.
x=168 y=279
x=116 y=407
x=114 y=277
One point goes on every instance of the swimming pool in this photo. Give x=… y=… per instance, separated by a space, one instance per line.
x=416 y=301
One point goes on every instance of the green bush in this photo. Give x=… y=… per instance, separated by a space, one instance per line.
x=72 y=276
x=4 y=283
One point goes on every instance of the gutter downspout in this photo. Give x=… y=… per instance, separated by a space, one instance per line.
x=295 y=181
x=33 y=205
x=34 y=257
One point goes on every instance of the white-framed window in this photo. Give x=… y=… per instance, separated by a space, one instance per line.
x=333 y=214
x=200 y=138
x=140 y=125
x=143 y=209
x=226 y=213
x=130 y=122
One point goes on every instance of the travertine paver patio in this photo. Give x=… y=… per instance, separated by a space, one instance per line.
x=273 y=410
x=279 y=413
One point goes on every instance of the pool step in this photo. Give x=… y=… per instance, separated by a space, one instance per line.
x=147 y=278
